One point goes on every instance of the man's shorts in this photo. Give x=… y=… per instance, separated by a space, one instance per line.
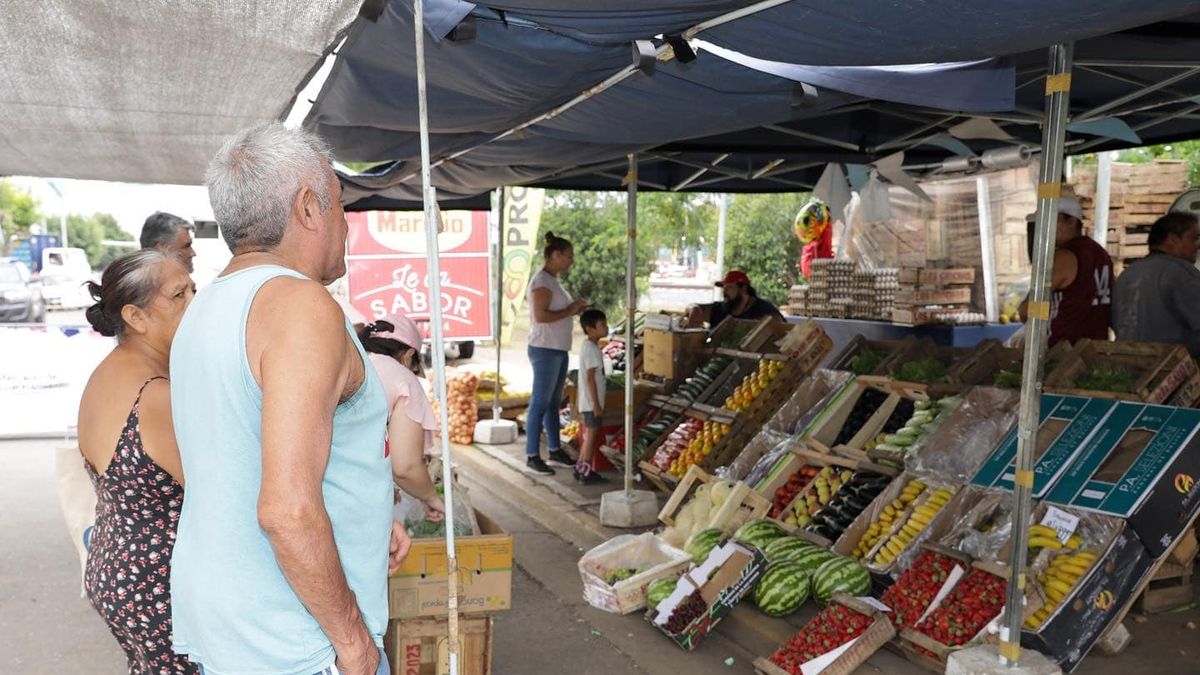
x=591 y=421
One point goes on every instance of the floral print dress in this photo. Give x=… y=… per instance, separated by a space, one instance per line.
x=128 y=576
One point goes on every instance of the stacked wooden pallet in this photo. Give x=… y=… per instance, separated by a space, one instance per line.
x=1138 y=195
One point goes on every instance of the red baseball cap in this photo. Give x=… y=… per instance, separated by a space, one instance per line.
x=735 y=277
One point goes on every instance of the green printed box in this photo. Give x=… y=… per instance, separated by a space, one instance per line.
x=1141 y=465
x=1066 y=425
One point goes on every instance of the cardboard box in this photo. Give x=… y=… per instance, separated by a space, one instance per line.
x=655 y=557
x=1067 y=424
x=1141 y=465
x=485 y=562
x=954 y=275
x=948 y=296
x=666 y=353
x=1095 y=602
x=420 y=646
x=731 y=571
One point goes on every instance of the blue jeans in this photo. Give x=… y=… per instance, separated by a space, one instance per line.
x=549 y=377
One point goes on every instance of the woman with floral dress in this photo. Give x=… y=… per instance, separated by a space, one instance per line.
x=128 y=446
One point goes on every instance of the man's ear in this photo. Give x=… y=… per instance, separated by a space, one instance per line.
x=306 y=208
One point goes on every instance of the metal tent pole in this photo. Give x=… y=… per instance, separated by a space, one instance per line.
x=630 y=309
x=429 y=196
x=499 y=301
x=987 y=246
x=1103 y=194
x=1058 y=96
x=722 y=220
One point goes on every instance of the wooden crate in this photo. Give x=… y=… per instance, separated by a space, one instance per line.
x=420 y=646
x=874 y=638
x=661 y=480
x=1169 y=587
x=743 y=504
x=732 y=332
x=749 y=422
x=1159 y=369
x=886 y=348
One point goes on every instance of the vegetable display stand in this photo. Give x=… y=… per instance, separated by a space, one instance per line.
x=616 y=573
x=905 y=515
x=867 y=357
x=928 y=364
x=1149 y=372
x=991 y=365
x=661 y=480
x=788 y=375
x=921 y=587
x=707 y=593
x=839 y=640
x=733 y=333
x=867 y=408
x=792 y=474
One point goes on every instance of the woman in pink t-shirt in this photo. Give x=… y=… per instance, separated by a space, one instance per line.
x=393 y=346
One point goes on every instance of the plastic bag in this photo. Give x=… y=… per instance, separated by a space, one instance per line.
x=968 y=435
x=411 y=512
x=638 y=559
x=758 y=447
x=985 y=528
x=809 y=400
x=763 y=467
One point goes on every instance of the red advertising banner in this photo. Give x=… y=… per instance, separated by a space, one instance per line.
x=388 y=269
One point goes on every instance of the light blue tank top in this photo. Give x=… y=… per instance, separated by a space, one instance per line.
x=234 y=612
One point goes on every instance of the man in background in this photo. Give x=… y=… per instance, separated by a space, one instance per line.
x=741 y=302
x=1081 y=281
x=169 y=233
x=1158 y=299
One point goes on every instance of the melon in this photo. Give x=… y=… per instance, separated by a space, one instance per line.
x=702 y=543
x=840 y=575
x=782 y=589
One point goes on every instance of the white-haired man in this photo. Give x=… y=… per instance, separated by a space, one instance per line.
x=283 y=551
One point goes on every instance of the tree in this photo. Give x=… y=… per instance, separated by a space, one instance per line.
x=668 y=218
x=19 y=210
x=89 y=233
x=759 y=241
x=595 y=223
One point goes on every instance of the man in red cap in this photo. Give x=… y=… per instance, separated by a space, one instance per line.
x=741 y=302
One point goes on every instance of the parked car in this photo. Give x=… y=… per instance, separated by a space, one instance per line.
x=64 y=273
x=20 y=294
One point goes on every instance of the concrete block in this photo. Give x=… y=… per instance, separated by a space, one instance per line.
x=1115 y=640
x=496 y=432
x=985 y=660
x=636 y=508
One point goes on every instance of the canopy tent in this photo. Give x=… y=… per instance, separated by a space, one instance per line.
x=148 y=91
x=729 y=121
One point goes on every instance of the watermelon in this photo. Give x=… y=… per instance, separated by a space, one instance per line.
x=702 y=543
x=659 y=590
x=759 y=533
x=840 y=575
x=782 y=589
x=812 y=558
x=785 y=548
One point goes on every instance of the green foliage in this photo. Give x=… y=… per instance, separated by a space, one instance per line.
x=18 y=210
x=89 y=233
x=666 y=219
x=759 y=241
x=595 y=223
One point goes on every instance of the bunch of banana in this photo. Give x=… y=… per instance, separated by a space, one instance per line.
x=917 y=521
x=1043 y=536
x=1058 y=580
x=883 y=525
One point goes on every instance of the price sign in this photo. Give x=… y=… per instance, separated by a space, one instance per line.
x=1061 y=522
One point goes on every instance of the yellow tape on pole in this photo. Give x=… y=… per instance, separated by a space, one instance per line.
x=1058 y=83
x=1049 y=190
x=1010 y=651
x=1023 y=478
x=1039 y=310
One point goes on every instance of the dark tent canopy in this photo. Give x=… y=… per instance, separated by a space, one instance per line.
x=744 y=116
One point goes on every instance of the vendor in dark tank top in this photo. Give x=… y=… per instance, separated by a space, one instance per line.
x=1081 y=281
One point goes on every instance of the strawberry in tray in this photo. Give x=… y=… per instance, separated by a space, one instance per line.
x=912 y=594
x=833 y=627
x=973 y=603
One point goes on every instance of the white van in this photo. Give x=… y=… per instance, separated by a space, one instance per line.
x=64 y=272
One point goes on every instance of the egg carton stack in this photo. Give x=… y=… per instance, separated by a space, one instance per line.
x=874 y=293
x=798 y=300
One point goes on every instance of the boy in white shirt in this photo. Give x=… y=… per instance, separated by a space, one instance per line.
x=592 y=390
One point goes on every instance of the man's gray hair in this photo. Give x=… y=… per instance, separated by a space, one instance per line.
x=256 y=176
x=161 y=228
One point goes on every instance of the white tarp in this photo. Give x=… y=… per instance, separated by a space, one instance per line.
x=146 y=91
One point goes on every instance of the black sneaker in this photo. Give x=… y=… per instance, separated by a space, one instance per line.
x=590 y=478
x=560 y=457
x=536 y=465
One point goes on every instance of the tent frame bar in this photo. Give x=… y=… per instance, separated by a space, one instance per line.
x=699 y=172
